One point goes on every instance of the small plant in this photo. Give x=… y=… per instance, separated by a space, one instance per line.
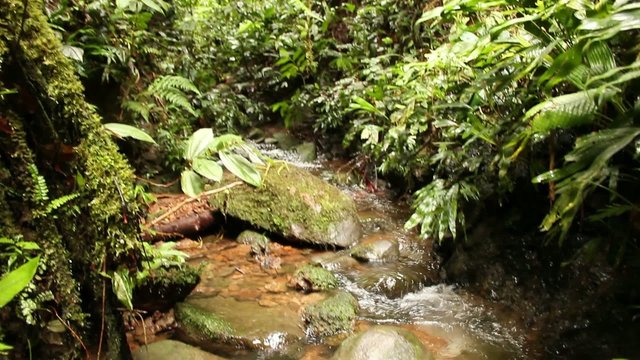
x=232 y=152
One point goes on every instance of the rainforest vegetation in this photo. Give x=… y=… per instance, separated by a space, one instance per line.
x=524 y=114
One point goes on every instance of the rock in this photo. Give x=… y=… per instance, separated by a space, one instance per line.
x=313 y=278
x=334 y=261
x=307 y=151
x=382 y=343
x=225 y=322
x=331 y=316
x=295 y=204
x=395 y=280
x=383 y=248
x=163 y=287
x=171 y=349
x=285 y=140
x=258 y=242
x=201 y=325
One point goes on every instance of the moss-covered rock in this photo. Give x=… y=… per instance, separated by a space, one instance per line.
x=258 y=242
x=164 y=287
x=313 y=278
x=296 y=204
x=331 y=316
x=382 y=343
x=201 y=325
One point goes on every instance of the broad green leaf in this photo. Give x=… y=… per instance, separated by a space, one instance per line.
x=207 y=168
x=224 y=142
x=4 y=347
x=122 y=4
x=123 y=287
x=191 y=183
x=241 y=168
x=27 y=245
x=73 y=52
x=124 y=130
x=153 y=5
x=15 y=281
x=198 y=143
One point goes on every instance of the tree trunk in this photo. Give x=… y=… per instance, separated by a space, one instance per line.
x=49 y=132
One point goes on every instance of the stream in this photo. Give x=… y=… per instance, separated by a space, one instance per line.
x=407 y=292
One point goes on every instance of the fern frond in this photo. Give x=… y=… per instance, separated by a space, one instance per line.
x=141 y=109
x=55 y=204
x=40 y=191
x=173 y=82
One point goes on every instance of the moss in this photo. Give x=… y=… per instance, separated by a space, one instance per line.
x=314 y=278
x=164 y=287
x=291 y=202
x=202 y=325
x=259 y=243
x=331 y=316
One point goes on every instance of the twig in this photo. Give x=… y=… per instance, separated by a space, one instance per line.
x=75 y=335
x=186 y=201
x=169 y=184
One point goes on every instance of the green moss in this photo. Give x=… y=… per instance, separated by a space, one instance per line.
x=200 y=324
x=259 y=243
x=331 y=316
x=314 y=278
x=291 y=202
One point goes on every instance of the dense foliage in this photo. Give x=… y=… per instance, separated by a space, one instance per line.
x=466 y=101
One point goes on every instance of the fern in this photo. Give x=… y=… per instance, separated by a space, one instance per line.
x=139 y=108
x=172 y=90
x=40 y=191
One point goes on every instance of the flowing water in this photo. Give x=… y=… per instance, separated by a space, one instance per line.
x=405 y=292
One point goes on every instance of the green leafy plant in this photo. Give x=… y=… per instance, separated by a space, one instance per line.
x=236 y=156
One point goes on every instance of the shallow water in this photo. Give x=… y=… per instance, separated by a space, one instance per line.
x=450 y=322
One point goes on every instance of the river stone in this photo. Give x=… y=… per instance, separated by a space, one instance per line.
x=313 y=278
x=382 y=343
x=377 y=247
x=285 y=140
x=250 y=325
x=334 y=261
x=394 y=280
x=307 y=151
x=295 y=204
x=258 y=242
x=332 y=315
x=171 y=349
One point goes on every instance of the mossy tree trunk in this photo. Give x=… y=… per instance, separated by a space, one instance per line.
x=48 y=131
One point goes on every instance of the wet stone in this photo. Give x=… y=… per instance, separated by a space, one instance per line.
x=382 y=343
x=333 y=315
x=313 y=278
x=171 y=349
x=377 y=247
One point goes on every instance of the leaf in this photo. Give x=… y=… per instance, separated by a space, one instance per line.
x=224 y=142
x=198 y=143
x=123 y=287
x=15 y=281
x=241 y=168
x=124 y=130
x=153 y=6
x=191 y=183
x=4 y=347
x=73 y=52
x=207 y=168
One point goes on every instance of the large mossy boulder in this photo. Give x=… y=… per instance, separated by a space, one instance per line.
x=170 y=350
x=333 y=315
x=382 y=343
x=296 y=204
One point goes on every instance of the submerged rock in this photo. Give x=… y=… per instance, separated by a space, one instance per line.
x=228 y=324
x=332 y=315
x=171 y=349
x=382 y=343
x=333 y=261
x=397 y=279
x=382 y=248
x=201 y=325
x=258 y=242
x=313 y=278
x=296 y=204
